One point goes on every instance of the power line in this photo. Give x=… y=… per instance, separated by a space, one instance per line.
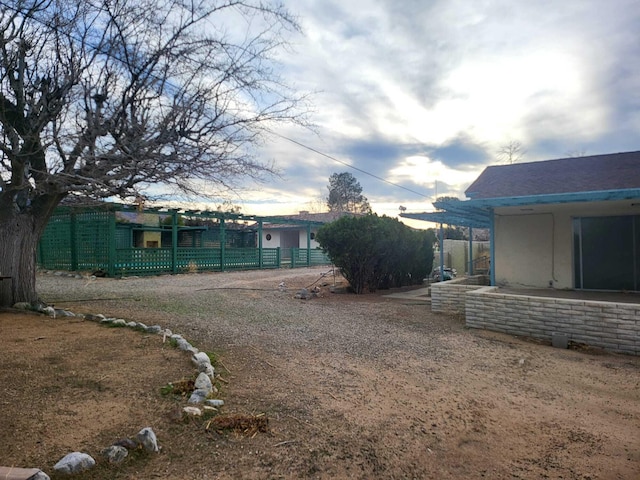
x=350 y=166
x=109 y=54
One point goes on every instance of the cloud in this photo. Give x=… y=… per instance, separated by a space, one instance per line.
x=420 y=91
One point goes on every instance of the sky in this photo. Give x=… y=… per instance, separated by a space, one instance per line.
x=424 y=93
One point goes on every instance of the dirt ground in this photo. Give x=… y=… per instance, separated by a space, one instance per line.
x=472 y=405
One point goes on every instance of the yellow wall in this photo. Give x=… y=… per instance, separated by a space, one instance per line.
x=152 y=239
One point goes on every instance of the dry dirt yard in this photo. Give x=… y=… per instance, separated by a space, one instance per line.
x=352 y=386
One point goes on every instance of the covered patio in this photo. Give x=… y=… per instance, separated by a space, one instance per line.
x=564 y=251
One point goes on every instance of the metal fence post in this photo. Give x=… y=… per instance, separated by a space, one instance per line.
x=260 y=261
x=223 y=241
x=111 y=268
x=74 y=241
x=174 y=241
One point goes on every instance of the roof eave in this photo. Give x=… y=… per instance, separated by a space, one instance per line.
x=572 y=197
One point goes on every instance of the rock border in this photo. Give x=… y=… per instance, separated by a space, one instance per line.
x=76 y=462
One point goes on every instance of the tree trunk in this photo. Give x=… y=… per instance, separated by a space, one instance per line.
x=19 y=235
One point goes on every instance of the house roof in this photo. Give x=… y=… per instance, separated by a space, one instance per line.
x=303 y=218
x=578 y=179
x=616 y=171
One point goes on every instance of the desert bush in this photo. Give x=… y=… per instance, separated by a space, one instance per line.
x=377 y=252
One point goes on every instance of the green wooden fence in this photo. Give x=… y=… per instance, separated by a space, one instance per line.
x=91 y=241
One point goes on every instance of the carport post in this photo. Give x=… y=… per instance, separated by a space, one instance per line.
x=260 y=261
x=441 y=253
x=308 y=244
x=174 y=240
x=492 y=248
x=470 y=251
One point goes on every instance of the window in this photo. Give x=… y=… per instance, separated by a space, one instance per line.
x=606 y=253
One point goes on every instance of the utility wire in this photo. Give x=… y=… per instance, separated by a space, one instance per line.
x=349 y=165
x=16 y=10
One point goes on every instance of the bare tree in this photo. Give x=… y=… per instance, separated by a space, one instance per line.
x=103 y=98
x=579 y=152
x=511 y=152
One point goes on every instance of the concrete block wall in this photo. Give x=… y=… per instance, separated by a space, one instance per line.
x=612 y=326
x=450 y=296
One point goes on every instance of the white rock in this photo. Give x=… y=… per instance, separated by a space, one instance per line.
x=214 y=402
x=201 y=358
x=203 y=382
x=74 y=462
x=183 y=344
x=198 y=396
x=195 y=411
x=115 y=453
x=207 y=369
x=147 y=438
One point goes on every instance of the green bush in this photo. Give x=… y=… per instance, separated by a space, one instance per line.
x=377 y=252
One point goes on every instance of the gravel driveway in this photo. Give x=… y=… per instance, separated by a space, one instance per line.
x=368 y=386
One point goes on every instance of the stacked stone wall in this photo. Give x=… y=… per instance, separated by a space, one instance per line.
x=612 y=326
x=450 y=296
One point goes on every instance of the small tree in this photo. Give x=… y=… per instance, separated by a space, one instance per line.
x=345 y=194
x=377 y=252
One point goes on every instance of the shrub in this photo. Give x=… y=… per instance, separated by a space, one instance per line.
x=377 y=252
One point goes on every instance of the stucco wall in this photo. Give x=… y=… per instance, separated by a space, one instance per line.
x=456 y=254
x=613 y=326
x=523 y=249
x=277 y=242
x=303 y=239
x=275 y=239
x=534 y=245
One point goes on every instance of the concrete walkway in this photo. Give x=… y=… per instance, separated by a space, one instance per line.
x=417 y=295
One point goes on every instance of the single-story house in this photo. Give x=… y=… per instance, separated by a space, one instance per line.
x=570 y=224
x=128 y=240
x=295 y=231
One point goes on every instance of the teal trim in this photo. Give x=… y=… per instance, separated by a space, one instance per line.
x=595 y=196
x=260 y=243
x=111 y=256
x=223 y=240
x=174 y=241
x=308 y=244
x=492 y=249
x=470 y=250
x=476 y=213
x=441 y=253
x=73 y=221
x=448 y=218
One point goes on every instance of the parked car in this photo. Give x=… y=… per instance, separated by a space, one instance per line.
x=449 y=274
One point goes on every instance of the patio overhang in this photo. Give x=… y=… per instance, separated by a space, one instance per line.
x=570 y=197
x=477 y=212
x=455 y=213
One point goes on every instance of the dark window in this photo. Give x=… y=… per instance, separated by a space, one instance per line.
x=606 y=251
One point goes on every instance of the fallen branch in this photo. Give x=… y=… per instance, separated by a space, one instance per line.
x=260 y=353
x=286 y=442
x=224 y=366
